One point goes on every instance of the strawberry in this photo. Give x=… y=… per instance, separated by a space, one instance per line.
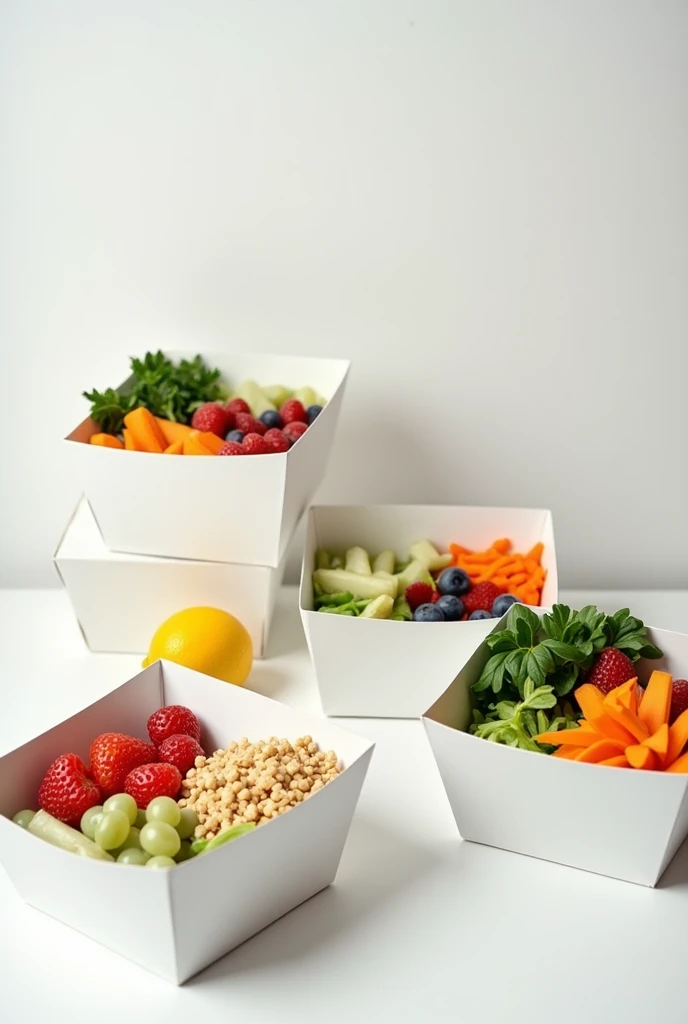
x=418 y=594
x=238 y=405
x=481 y=597
x=610 y=669
x=67 y=790
x=254 y=444
x=248 y=424
x=679 y=699
x=232 y=448
x=113 y=755
x=294 y=430
x=213 y=418
x=150 y=780
x=293 y=412
x=173 y=720
x=181 y=751
x=277 y=441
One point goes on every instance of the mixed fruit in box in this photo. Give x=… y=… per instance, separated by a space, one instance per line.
x=158 y=803
x=184 y=410
x=428 y=586
x=566 y=684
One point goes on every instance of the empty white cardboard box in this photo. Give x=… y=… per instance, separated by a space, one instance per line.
x=619 y=822
x=120 y=599
x=379 y=668
x=240 y=510
x=163 y=920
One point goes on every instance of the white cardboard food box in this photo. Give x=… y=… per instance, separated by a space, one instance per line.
x=218 y=509
x=385 y=669
x=619 y=822
x=164 y=920
x=120 y=600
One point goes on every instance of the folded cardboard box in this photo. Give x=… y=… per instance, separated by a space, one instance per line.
x=176 y=922
x=121 y=599
x=619 y=822
x=388 y=669
x=239 y=510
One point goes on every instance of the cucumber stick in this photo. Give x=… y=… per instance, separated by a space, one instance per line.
x=255 y=396
x=358 y=560
x=385 y=562
x=67 y=838
x=416 y=571
x=380 y=608
x=428 y=554
x=333 y=581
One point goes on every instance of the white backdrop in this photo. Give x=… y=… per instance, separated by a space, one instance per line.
x=482 y=202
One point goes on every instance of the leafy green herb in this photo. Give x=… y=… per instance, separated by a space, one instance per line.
x=516 y=723
x=173 y=392
x=340 y=604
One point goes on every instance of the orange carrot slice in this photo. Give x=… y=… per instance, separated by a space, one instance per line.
x=570 y=738
x=106 y=440
x=568 y=753
x=655 y=703
x=591 y=702
x=678 y=736
x=172 y=432
x=616 y=762
x=176 y=448
x=144 y=429
x=130 y=441
x=601 y=751
x=659 y=742
x=502 y=545
x=625 y=696
x=679 y=767
x=211 y=441
x=642 y=757
x=536 y=552
x=195 y=446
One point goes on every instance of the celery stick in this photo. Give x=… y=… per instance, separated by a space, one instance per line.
x=380 y=608
x=414 y=572
x=384 y=562
x=358 y=561
x=57 y=833
x=428 y=554
x=333 y=581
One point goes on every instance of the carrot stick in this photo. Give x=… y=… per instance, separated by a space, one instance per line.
x=655 y=703
x=678 y=736
x=570 y=738
x=171 y=431
x=130 y=441
x=642 y=757
x=517 y=579
x=616 y=762
x=602 y=751
x=176 y=448
x=502 y=545
x=106 y=440
x=145 y=430
x=679 y=766
x=194 y=446
x=536 y=552
x=211 y=441
x=568 y=753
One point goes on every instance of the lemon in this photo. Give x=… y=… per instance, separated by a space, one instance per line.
x=207 y=640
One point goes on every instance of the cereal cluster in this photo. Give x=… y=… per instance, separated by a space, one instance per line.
x=254 y=781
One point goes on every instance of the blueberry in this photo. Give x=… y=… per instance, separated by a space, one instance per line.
x=271 y=418
x=452 y=607
x=502 y=604
x=428 y=613
x=313 y=411
x=235 y=435
x=480 y=614
x=454 y=581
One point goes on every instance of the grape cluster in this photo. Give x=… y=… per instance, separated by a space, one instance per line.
x=155 y=838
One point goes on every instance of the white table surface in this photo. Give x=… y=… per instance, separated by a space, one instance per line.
x=418 y=926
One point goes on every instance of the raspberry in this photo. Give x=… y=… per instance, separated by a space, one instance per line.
x=181 y=751
x=293 y=412
x=254 y=444
x=67 y=790
x=150 y=780
x=249 y=424
x=481 y=597
x=679 y=698
x=113 y=755
x=277 y=441
x=294 y=430
x=232 y=448
x=611 y=669
x=213 y=419
x=418 y=594
x=173 y=720
x=237 y=405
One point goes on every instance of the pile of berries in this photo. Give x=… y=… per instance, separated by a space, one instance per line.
x=454 y=597
x=124 y=764
x=245 y=435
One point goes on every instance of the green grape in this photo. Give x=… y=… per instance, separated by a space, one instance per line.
x=164 y=808
x=187 y=823
x=112 y=830
x=141 y=819
x=160 y=862
x=132 y=842
x=122 y=802
x=24 y=818
x=185 y=852
x=133 y=856
x=89 y=821
x=160 y=839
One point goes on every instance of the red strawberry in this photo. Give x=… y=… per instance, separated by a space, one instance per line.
x=481 y=597
x=293 y=412
x=113 y=755
x=611 y=669
x=254 y=444
x=418 y=594
x=238 y=405
x=277 y=441
x=173 y=720
x=150 y=780
x=679 y=699
x=293 y=431
x=67 y=790
x=213 y=418
x=232 y=448
x=248 y=424
x=181 y=751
